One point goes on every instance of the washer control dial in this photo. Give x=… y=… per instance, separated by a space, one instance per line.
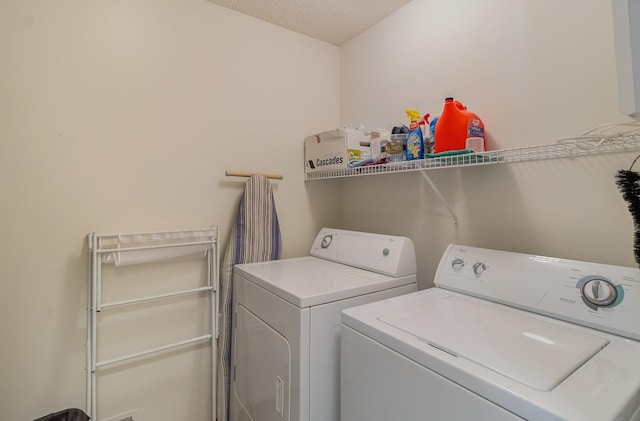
x=479 y=268
x=326 y=241
x=457 y=264
x=598 y=292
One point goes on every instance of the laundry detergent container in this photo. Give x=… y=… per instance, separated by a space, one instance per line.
x=458 y=129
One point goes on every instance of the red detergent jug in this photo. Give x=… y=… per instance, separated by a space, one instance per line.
x=455 y=126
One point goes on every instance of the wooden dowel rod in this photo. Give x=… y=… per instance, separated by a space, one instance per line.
x=249 y=174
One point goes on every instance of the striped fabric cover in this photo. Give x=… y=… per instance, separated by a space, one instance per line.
x=255 y=237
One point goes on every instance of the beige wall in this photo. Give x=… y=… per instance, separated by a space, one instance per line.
x=535 y=71
x=122 y=116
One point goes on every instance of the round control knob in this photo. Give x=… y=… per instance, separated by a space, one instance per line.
x=457 y=264
x=600 y=292
x=478 y=268
x=326 y=241
x=385 y=252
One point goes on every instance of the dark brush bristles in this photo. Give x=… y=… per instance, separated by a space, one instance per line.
x=629 y=184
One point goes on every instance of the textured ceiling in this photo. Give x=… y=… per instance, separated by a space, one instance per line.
x=332 y=21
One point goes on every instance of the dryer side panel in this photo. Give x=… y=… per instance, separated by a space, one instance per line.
x=325 y=351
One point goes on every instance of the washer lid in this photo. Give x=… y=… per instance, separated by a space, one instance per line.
x=309 y=281
x=527 y=349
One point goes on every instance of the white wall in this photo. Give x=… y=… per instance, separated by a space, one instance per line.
x=122 y=116
x=535 y=71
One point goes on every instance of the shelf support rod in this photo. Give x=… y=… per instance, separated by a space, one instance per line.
x=437 y=192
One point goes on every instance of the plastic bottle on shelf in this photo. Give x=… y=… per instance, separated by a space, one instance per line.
x=432 y=134
x=426 y=138
x=415 y=142
x=395 y=148
x=455 y=126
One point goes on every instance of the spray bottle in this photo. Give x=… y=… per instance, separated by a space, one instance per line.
x=415 y=142
x=424 y=127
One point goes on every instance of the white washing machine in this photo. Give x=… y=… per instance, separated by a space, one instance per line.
x=502 y=336
x=286 y=336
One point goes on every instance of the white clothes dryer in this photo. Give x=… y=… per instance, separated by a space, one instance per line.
x=501 y=336
x=286 y=335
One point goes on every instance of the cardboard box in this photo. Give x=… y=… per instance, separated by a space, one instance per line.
x=335 y=149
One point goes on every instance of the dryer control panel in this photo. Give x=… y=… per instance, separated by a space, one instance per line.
x=600 y=296
x=387 y=254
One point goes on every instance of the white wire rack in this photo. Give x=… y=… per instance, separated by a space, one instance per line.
x=148 y=247
x=574 y=147
x=595 y=142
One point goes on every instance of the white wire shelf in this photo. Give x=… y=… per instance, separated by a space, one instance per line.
x=591 y=144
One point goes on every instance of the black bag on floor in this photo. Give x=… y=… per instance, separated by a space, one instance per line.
x=72 y=414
